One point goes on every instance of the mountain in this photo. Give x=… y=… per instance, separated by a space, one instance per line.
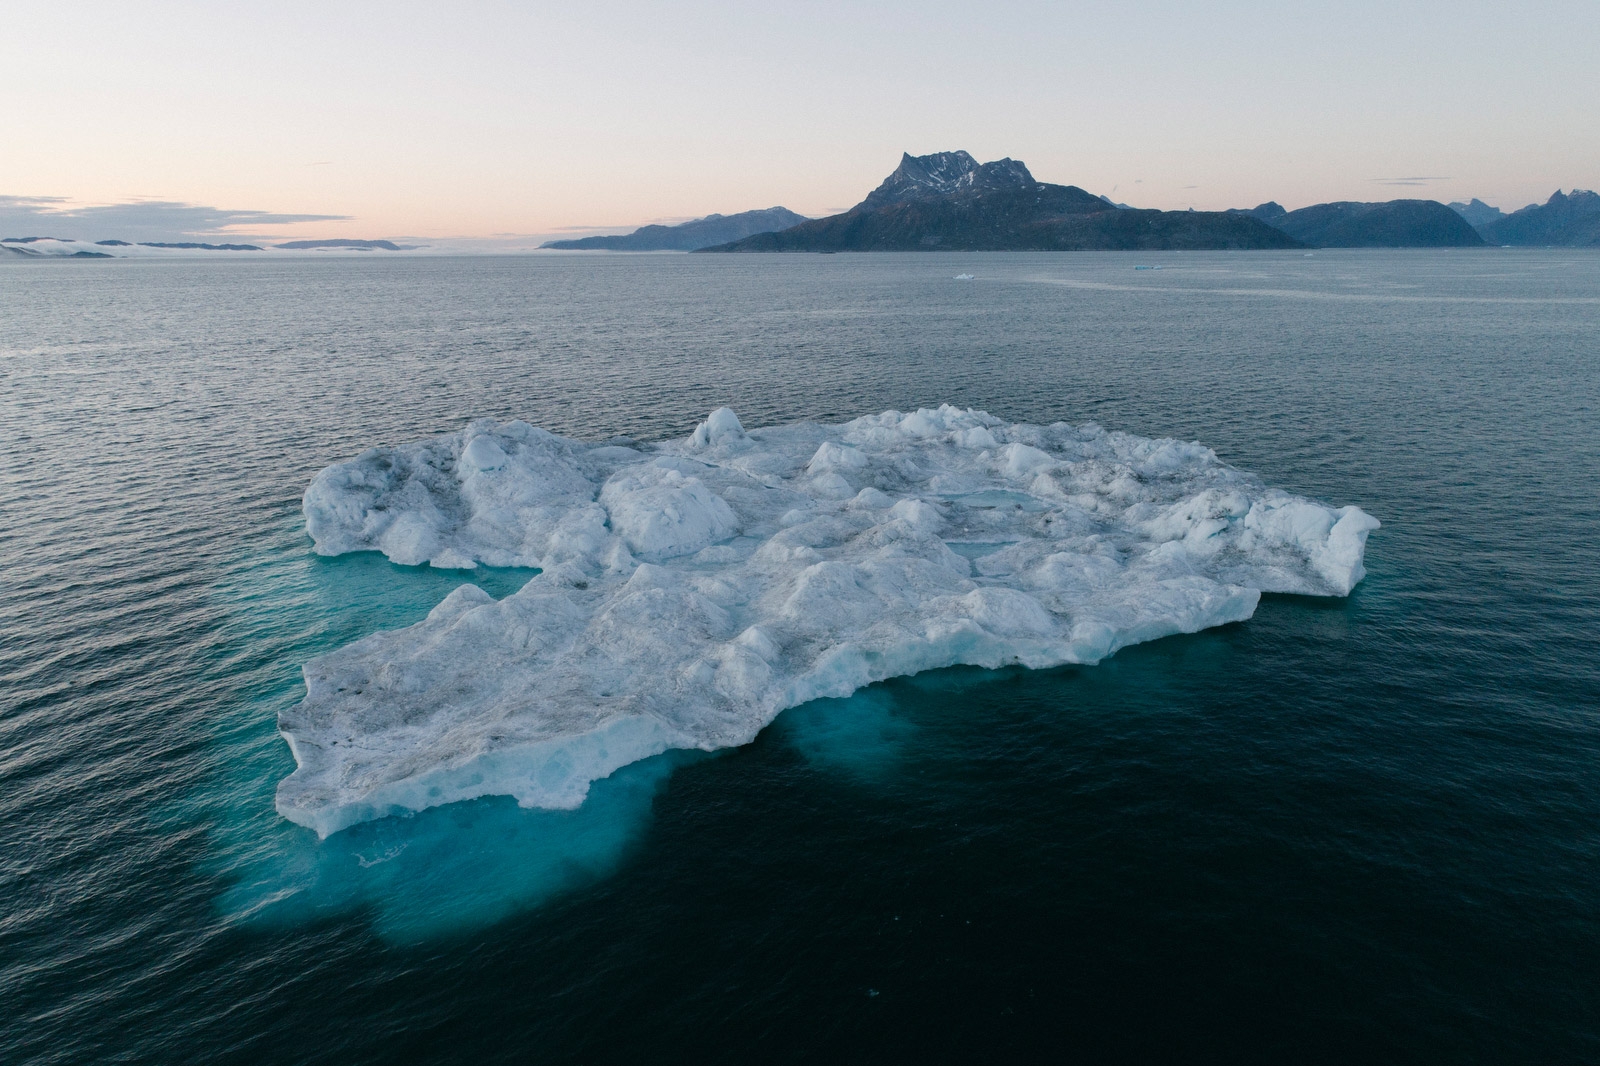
x=688 y=236
x=1393 y=224
x=1478 y=214
x=928 y=177
x=1268 y=212
x=1571 y=221
x=330 y=245
x=948 y=201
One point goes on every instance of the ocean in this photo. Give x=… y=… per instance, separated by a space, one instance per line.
x=1361 y=829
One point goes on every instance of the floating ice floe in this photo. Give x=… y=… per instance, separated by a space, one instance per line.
x=964 y=277
x=691 y=590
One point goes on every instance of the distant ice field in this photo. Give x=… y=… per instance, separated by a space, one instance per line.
x=690 y=591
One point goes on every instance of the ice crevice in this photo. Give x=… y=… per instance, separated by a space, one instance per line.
x=691 y=590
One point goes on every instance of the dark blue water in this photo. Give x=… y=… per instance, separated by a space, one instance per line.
x=1360 y=830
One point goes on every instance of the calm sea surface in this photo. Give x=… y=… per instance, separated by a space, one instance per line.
x=1346 y=831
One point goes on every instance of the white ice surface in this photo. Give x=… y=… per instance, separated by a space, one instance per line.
x=692 y=590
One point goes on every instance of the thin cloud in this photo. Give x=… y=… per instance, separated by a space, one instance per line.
x=597 y=228
x=149 y=220
x=1404 y=181
x=614 y=228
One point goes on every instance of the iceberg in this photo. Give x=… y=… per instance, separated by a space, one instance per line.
x=688 y=591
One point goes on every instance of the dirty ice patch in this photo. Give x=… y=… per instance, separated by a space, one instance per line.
x=691 y=590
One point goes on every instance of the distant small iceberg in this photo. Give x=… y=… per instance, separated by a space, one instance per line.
x=963 y=277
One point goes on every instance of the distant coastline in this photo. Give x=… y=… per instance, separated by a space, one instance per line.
x=341 y=244
x=948 y=201
x=46 y=247
x=689 y=236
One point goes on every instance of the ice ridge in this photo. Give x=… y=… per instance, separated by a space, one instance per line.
x=691 y=590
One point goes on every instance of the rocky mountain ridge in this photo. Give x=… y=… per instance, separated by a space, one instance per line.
x=948 y=201
x=1568 y=220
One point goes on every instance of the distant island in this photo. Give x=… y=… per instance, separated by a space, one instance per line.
x=948 y=201
x=1570 y=220
x=1566 y=220
x=688 y=236
x=1477 y=213
x=69 y=248
x=13 y=249
x=345 y=243
x=47 y=248
x=189 y=246
x=1352 y=224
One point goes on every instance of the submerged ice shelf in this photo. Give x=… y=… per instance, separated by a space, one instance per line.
x=691 y=590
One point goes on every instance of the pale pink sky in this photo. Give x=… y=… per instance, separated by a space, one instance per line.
x=481 y=119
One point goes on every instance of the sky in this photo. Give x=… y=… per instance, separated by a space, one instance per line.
x=511 y=123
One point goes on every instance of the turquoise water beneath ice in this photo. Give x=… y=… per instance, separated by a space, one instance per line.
x=1362 y=829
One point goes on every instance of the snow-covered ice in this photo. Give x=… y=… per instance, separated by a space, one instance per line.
x=691 y=590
